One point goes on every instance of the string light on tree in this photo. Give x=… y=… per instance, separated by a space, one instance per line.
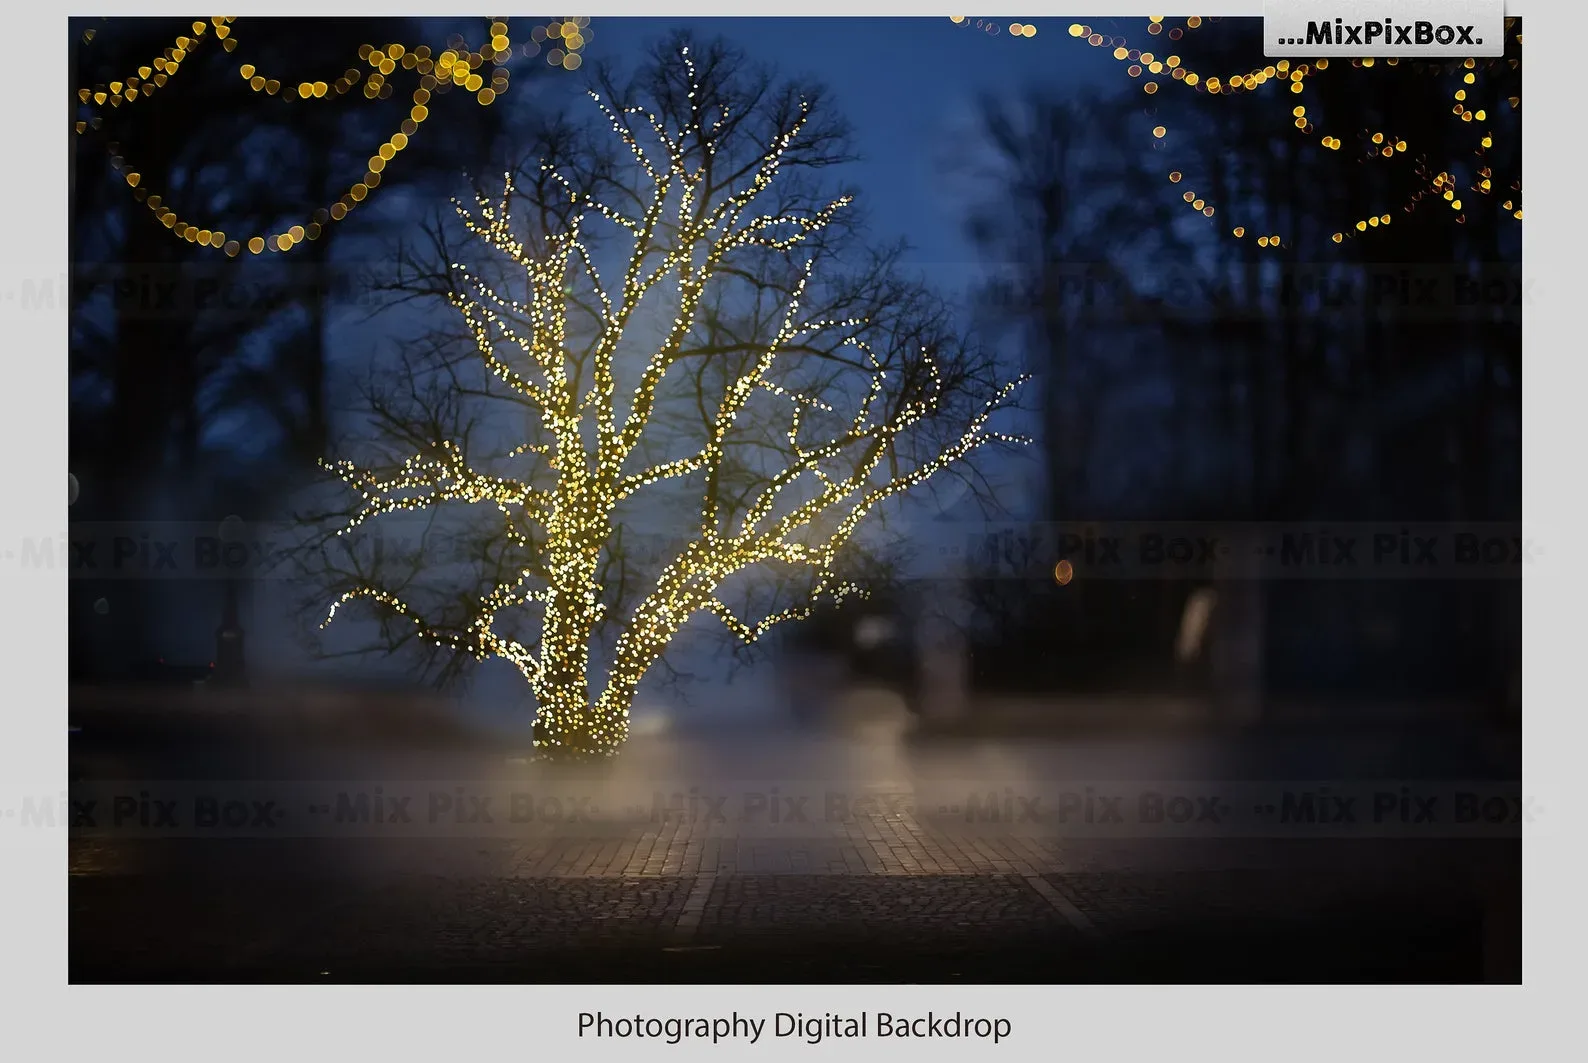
x=685 y=238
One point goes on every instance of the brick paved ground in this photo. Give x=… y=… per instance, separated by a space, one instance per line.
x=891 y=894
x=900 y=905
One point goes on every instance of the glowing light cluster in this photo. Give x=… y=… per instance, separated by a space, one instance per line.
x=1156 y=70
x=1156 y=25
x=154 y=74
x=992 y=26
x=684 y=233
x=481 y=71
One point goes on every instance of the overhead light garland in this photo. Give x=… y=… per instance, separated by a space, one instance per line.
x=1157 y=71
x=992 y=27
x=592 y=434
x=158 y=70
x=481 y=71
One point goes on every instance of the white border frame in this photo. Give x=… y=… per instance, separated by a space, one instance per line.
x=48 y=1018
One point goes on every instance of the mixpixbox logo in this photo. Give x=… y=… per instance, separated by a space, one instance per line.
x=1388 y=28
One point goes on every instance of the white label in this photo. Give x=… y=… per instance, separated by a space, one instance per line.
x=1384 y=28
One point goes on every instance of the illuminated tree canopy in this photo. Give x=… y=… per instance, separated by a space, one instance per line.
x=679 y=323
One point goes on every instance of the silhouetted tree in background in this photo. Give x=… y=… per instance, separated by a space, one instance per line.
x=1198 y=370
x=199 y=373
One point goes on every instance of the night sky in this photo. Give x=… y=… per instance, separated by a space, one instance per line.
x=909 y=87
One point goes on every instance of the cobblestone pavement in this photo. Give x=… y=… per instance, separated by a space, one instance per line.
x=768 y=928
x=887 y=893
x=570 y=910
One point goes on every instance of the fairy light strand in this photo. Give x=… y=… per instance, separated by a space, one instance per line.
x=481 y=72
x=585 y=479
x=1156 y=70
x=992 y=27
x=157 y=72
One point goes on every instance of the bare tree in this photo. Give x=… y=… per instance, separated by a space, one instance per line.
x=704 y=435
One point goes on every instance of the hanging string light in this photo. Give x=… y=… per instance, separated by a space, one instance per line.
x=481 y=71
x=1155 y=70
x=158 y=71
x=992 y=27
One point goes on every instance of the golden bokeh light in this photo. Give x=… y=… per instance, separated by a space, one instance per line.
x=1295 y=75
x=454 y=66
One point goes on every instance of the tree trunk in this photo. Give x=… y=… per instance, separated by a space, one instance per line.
x=569 y=723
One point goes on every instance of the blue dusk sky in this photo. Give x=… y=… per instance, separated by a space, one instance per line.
x=910 y=88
